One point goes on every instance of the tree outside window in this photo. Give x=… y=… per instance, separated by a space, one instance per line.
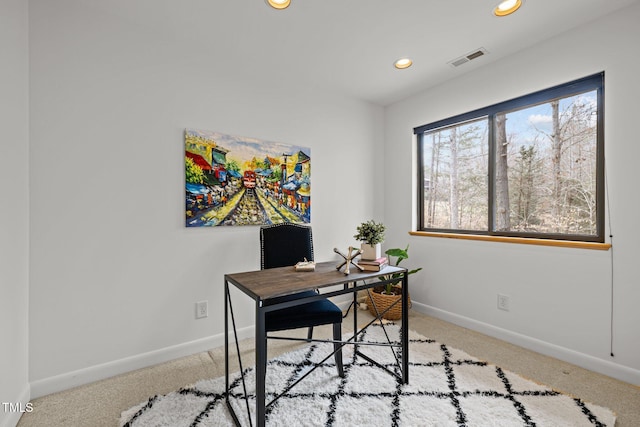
x=529 y=167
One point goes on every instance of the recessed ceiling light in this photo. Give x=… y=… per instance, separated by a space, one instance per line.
x=279 y=4
x=403 y=63
x=507 y=7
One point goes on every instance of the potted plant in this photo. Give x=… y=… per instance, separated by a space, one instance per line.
x=385 y=296
x=371 y=235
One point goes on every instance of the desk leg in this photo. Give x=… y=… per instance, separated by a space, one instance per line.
x=226 y=341
x=355 y=311
x=405 y=329
x=261 y=362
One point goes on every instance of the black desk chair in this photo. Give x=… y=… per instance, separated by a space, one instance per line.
x=283 y=245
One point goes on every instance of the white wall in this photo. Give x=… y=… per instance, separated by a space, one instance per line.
x=560 y=298
x=114 y=272
x=14 y=208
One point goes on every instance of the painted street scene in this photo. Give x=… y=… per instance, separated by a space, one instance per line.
x=231 y=180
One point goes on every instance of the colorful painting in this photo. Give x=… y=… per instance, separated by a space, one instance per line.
x=232 y=180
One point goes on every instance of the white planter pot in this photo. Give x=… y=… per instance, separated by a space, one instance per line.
x=371 y=252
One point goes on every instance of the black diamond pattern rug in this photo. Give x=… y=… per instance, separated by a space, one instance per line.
x=447 y=387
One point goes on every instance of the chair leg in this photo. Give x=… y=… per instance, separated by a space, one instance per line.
x=310 y=334
x=337 y=336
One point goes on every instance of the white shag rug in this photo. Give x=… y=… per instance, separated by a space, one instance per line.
x=447 y=387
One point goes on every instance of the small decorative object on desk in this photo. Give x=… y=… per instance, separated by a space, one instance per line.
x=305 y=266
x=348 y=259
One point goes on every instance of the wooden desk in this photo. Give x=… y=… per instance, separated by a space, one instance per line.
x=263 y=285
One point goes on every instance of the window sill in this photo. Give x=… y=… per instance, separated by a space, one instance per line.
x=520 y=240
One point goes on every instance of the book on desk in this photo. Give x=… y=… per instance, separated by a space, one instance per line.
x=373 y=264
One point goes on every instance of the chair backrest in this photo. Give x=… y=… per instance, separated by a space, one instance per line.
x=285 y=244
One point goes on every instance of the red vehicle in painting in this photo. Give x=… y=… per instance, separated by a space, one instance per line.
x=249 y=179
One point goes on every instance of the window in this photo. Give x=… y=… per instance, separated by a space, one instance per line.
x=529 y=167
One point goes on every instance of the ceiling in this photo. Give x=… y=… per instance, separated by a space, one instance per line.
x=349 y=46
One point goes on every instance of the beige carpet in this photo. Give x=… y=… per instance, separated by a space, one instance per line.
x=101 y=403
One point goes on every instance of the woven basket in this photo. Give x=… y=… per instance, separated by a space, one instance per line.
x=383 y=301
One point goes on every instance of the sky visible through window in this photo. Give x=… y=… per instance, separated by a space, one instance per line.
x=544 y=171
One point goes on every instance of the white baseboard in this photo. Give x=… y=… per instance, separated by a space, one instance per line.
x=605 y=367
x=10 y=419
x=91 y=374
x=88 y=375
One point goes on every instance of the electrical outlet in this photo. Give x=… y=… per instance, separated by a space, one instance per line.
x=503 y=302
x=202 y=309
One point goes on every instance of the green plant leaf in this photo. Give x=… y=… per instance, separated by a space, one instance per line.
x=401 y=254
x=397 y=252
x=370 y=232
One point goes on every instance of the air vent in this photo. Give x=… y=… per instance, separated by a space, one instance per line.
x=468 y=57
